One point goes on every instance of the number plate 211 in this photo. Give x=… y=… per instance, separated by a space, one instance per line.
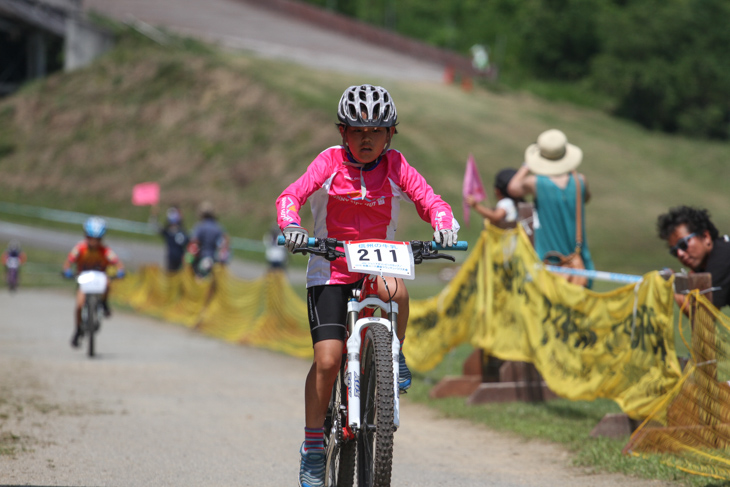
x=380 y=257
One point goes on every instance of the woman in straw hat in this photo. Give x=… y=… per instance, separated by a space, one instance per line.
x=549 y=175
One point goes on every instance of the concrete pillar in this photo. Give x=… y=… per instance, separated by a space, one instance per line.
x=37 y=54
x=84 y=43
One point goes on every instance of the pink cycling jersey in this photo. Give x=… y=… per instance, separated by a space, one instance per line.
x=353 y=202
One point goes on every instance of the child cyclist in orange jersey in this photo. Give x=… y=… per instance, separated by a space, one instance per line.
x=354 y=191
x=91 y=254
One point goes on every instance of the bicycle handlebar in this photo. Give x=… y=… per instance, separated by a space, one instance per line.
x=314 y=242
x=422 y=250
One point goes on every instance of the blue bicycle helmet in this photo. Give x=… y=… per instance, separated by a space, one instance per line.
x=95 y=227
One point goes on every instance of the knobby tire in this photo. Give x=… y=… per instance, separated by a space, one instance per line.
x=90 y=325
x=12 y=279
x=340 y=453
x=375 y=441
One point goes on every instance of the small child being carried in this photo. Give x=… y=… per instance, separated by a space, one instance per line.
x=506 y=209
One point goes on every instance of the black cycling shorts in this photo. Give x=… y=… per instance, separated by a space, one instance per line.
x=327 y=310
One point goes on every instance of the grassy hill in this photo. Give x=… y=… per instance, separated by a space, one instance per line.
x=236 y=130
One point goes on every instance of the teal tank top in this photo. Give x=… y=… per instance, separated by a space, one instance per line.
x=556 y=212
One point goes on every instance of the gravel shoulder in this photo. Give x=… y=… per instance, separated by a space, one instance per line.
x=163 y=405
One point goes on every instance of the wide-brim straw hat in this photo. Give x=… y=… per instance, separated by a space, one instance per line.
x=552 y=154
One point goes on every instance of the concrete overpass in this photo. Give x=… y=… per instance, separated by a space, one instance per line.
x=38 y=37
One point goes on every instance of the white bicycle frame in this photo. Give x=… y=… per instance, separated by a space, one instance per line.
x=354 y=341
x=353 y=356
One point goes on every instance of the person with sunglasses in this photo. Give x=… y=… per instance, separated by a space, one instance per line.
x=695 y=241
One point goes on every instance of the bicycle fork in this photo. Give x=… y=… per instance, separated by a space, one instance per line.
x=357 y=328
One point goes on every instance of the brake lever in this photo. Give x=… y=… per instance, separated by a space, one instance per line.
x=436 y=255
x=422 y=251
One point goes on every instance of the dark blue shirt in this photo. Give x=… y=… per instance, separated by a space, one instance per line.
x=176 y=240
x=209 y=235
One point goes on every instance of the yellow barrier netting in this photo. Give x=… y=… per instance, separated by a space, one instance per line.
x=265 y=313
x=617 y=345
x=691 y=427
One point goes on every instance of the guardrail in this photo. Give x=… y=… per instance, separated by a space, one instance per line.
x=120 y=224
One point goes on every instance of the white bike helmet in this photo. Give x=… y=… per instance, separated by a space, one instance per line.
x=95 y=227
x=367 y=106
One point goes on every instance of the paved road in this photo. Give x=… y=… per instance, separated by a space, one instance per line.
x=165 y=406
x=239 y=25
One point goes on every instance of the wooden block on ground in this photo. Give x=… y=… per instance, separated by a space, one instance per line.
x=510 y=391
x=451 y=386
x=491 y=367
x=519 y=372
x=473 y=363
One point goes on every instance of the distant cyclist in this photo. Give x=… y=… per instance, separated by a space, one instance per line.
x=208 y=241
x=87 y=255
x=354 y=190
x=12 y=259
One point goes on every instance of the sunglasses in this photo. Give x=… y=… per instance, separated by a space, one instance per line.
x=682 y=244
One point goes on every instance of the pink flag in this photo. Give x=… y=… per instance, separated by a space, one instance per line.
x=145 y=194
x=472 y=186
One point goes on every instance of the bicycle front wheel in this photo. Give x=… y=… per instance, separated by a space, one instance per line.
x=375 y=440
x=340 y=452
x=92 y=318
x=12 y=279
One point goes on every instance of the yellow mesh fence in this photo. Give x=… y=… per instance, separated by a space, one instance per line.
x=586 y=345
x=690 y=428
x=265 y=313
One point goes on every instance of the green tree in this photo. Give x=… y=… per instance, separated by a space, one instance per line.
x=665 y=64
x=559 y=37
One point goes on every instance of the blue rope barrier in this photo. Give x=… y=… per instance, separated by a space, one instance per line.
x=598 y=275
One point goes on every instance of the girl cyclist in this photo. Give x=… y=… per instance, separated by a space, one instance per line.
x=354 y=190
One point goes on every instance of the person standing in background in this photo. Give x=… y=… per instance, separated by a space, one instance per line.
x=176 y=239
x=208 y=242
x=549 y=175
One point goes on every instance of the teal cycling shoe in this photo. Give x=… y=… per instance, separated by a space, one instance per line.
x=311 y=470
x=404 y=374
